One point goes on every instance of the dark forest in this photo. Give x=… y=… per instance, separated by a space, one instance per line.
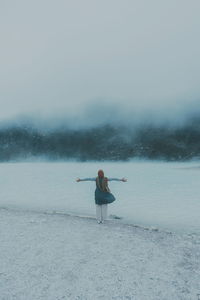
x=105 y=142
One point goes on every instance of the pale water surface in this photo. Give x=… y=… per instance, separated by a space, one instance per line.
x=157 y=194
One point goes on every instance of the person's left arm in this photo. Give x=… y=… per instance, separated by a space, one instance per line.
x=85 y=179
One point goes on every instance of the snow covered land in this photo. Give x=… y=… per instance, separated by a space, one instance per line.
x=52 y=248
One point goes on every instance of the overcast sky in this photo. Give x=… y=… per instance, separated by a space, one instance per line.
x=60 y=55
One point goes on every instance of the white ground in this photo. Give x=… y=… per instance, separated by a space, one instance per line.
x=54 y=256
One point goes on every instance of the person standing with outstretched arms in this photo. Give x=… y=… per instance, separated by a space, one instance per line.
x=103 y=196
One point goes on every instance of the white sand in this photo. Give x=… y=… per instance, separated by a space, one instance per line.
x=54 y=257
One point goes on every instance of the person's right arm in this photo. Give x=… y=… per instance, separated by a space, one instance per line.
x=117 y=179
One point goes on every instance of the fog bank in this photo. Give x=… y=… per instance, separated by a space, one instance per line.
x=104 y=133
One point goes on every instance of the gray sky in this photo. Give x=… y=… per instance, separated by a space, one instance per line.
x=59 y=55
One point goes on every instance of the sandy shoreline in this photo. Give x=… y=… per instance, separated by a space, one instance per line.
x=46 y=256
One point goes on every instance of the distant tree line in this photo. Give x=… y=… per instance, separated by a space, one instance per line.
x=106 y=142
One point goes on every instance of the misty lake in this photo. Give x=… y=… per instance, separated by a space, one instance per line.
x=157 y=194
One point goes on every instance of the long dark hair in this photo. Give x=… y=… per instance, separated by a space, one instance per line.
x=101 y=174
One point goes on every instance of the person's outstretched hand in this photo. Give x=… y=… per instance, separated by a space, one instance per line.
x=78 y=179
x=124 y=179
